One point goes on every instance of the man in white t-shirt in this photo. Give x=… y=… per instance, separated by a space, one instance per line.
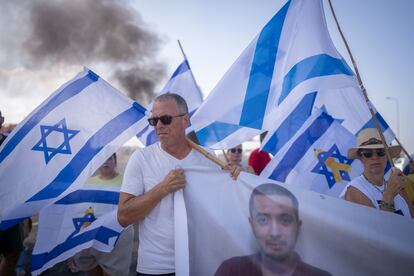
x=151 y=177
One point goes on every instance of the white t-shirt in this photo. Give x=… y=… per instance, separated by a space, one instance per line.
x=146 y=168
x=375 y=194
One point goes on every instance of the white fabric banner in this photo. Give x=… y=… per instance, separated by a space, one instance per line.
x=336 y=236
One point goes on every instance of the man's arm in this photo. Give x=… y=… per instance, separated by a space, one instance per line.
x=135 y=208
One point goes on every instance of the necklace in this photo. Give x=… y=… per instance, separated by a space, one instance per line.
x=381 y=188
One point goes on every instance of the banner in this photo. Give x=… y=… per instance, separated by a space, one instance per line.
x=329 y=235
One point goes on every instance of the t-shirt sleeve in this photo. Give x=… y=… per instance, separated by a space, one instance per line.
x=132 y=182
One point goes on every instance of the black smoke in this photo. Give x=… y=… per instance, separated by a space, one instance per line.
x=90 y=32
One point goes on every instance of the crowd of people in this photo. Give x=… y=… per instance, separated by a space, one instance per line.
x=154 y=173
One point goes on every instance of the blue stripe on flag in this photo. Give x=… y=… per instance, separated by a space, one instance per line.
x=184 y=67
x=311 y=67
x=261 y=71
x=69 y=91
x=214 y=132
x=102 y=234
x=371 y=123
x=291 y=124
x=97 y=196
x=6 y=224
x=299 y=148
x=93 y=146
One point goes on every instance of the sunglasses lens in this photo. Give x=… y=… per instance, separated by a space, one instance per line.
x=370 y=153
x=166 y=119
x=236 y=150
x=381 y=152
x=366 y=154
x=153 y=121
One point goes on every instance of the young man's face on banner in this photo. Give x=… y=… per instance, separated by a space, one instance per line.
x=275 y=225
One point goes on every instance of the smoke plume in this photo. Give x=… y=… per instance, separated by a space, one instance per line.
x=92 y=33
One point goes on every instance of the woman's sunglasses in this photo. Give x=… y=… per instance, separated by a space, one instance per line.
x=165 y=119
x=369 y=153
x=236 y=150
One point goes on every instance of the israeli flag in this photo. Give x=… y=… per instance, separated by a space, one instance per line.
x=61 y=143
x=293 y=56
x=183 y=83
x=316 y=156
x=82 y=219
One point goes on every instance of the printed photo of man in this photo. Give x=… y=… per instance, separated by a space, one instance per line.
x=274 y=218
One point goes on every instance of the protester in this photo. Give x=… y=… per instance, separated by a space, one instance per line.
x=117 y=261
x=235 y=158
x=11 y=239
x=274 y=218
x=152 y=176
x=371 y=189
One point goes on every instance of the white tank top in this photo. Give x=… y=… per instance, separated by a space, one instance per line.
x=375 y=193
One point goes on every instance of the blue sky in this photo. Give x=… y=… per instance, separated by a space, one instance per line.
x=215 y=32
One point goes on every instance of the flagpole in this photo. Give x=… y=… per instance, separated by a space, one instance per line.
x=206 y=153
x=364 y=92
x=196 y=148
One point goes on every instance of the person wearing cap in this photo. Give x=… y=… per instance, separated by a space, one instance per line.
x=371 y=189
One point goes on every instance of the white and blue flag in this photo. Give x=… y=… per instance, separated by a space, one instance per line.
x=315 y=158
x=292 y=58
x=84 y=218
x=61 y=143
x=183 y=83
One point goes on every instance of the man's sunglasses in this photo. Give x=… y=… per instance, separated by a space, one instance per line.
x=165 y=119
x=236 y=150
x=369 y=153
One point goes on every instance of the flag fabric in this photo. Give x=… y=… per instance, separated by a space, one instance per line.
x=285 y=69
x=316 y=156
x=354 y=239
x=61 y=143
x=183 y=83
x=84 y=218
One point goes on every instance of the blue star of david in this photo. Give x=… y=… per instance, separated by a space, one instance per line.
x=63 y=148
x=321 y=168
x=79 y=222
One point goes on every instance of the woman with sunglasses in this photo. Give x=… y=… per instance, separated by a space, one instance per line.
x=371 y=189
x=235 y=158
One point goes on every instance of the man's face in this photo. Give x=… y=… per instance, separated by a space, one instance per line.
x=374 y=164
x=275 y=225
x=172 y=133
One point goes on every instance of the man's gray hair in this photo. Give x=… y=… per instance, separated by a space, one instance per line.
x=181 y=103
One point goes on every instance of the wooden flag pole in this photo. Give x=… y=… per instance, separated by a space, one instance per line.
x=198 y=147
x=206 y=154
x=364 y=92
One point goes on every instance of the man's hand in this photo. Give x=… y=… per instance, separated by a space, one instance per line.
x=173 y=181
x=394 y=186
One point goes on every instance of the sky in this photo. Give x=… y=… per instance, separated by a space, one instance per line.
x=213 y=34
